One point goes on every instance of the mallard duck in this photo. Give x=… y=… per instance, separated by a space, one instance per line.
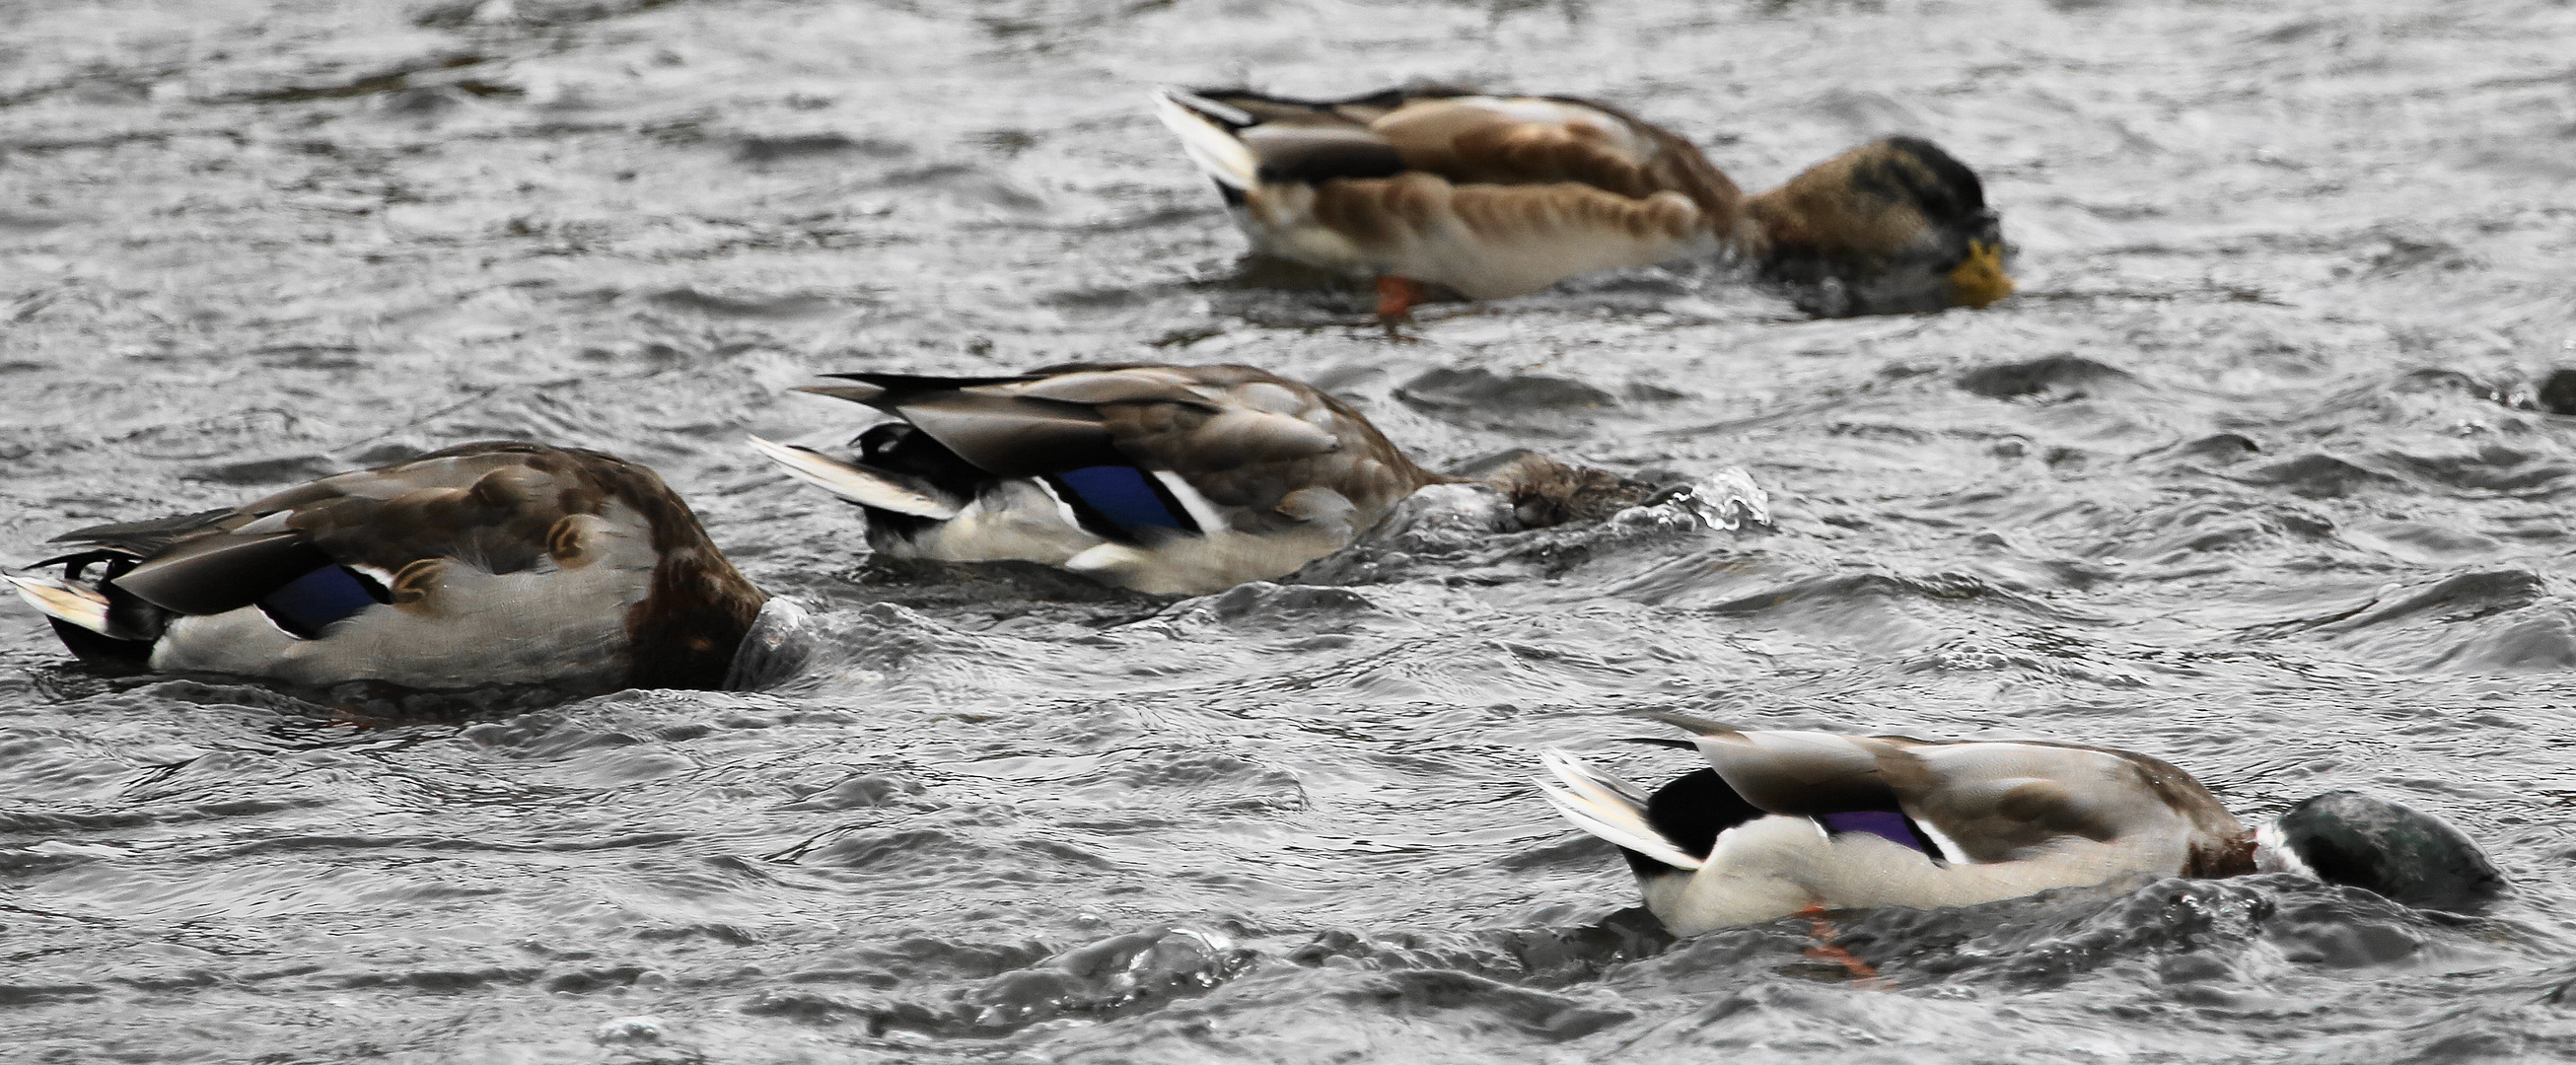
x=1782 y=822
x=1173 y=480
x=487 y=563
x=1496 y=196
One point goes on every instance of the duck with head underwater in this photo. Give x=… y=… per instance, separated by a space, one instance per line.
x=1497 y=196
x=1781 y=823
x=484 y=564
x=1171 y=480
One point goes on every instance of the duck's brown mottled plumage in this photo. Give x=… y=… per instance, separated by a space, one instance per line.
x=689 y=625
x=1544 y=491
x=1993 y=827
x=1242 y=436
x=501 y=507
x=1499 y=196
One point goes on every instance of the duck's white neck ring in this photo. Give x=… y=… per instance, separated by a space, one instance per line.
x=2272 y=853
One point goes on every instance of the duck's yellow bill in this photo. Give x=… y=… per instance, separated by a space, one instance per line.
x=1979 y=279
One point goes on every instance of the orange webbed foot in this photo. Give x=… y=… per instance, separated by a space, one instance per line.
x=1397 y=296
x=1826 y=950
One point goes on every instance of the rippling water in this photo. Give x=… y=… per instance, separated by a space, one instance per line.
x=2247 y=477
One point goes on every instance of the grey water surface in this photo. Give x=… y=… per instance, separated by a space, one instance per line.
x=2248 y=476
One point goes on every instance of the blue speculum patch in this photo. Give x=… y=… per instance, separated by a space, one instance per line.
x=1885 y=824
x=1124 y=495
x=306 y=605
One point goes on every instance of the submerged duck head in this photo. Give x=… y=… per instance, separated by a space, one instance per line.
x=488 y=563
x=1781 y=822
x=1894 y=225
x=2398 y=852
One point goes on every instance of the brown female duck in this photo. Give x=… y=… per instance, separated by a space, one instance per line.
x=487 y=563
x=1496 y=196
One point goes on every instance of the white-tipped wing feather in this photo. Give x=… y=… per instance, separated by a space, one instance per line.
x=78 y=606
x=1608 y=807
x=1595 y=783
x=1209 y=145
x=854 y=484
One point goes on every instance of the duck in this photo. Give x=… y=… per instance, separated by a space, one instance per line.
x=489 y=563
x=1784 y=823
x=1490 y=196
x=1162 y=479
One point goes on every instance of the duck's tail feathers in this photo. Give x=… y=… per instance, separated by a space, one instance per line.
x=865 y=487
x=1216 y=110
x=1205 y=140
x=68 y=603
x=854 y=393
x=1608 y=807
x=1690 y=723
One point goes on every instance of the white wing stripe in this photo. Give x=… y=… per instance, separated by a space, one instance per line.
x=1201 y=510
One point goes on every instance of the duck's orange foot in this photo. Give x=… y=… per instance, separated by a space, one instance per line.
x=1826 y=950
x=1397 y=296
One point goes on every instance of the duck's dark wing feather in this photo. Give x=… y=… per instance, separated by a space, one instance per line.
x=1313 y=155
x=214 y=574
x=909 y=384
x=1801 y=773
x=1009 y=436
x=497 y=505
x=141 y=538
x=1296 y=141
x=1070 y=382
x=1248 y=108
x=1152 y=417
